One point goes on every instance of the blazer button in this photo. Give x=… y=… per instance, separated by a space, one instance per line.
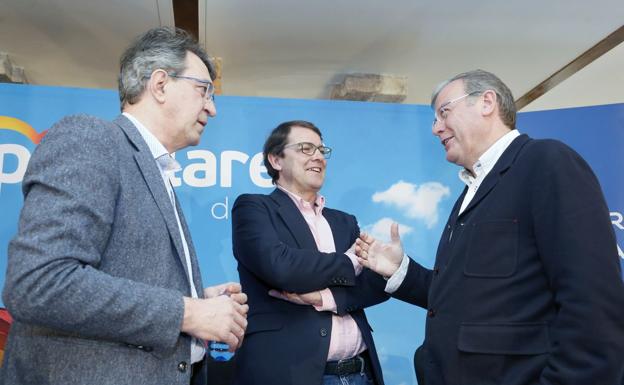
x=182 y=366
x=431 y=313
x=436 y=271
x=323 y=332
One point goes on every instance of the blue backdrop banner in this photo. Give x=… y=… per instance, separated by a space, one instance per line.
x=386 y=166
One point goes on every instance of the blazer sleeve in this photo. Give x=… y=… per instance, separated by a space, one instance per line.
x=70 y=194
x=258 y=247
x=415 y=287
x=576 y=241
x=368 y=291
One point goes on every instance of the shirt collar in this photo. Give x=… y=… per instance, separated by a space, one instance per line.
x=486 y=162
x=317 y=206
x=156 y=148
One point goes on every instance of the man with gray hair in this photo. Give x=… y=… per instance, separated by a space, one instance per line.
x=526 y=288
x=102 y=280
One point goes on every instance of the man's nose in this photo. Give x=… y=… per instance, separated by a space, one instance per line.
x=211 y=107
x=438 y=127
x=317 y=155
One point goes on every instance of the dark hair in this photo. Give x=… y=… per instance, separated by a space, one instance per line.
x=159 y=48
x=278 y=139
x=479 y=81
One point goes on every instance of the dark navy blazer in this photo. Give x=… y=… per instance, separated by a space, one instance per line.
x=526 y=287
x=287 y=343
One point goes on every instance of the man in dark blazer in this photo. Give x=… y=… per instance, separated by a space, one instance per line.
x=306 y=289
x=526 y=288
x=102 y=279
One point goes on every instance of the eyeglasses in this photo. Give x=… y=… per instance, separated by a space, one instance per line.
x=310 y=148
x=442 y=112
x=206 y=88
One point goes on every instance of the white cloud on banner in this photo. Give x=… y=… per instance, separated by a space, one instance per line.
x=381 y=229
x=417 y=202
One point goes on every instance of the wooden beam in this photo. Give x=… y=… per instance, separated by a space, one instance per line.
x=186 y=16
x=599 y=49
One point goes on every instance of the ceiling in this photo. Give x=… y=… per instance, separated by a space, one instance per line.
x=299 y=49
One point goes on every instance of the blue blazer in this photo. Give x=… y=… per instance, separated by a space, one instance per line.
x=287 y=343
x=526 y=287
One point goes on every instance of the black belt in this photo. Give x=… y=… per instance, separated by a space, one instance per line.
x=357 y=364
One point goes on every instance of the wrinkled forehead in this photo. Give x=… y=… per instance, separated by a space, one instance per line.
x=448 y=92
x=300 y=134
x=196 y=67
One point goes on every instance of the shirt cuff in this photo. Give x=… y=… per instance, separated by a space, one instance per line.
x=329 y=304
x=354 y=261
x=397 y=278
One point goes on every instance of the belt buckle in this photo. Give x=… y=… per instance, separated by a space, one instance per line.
x=349 y=366
x=342 y=367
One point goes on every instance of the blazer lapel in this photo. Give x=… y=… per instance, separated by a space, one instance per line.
x=293 y=220
x=501 y=166
x=194 y=261
x=151 y=175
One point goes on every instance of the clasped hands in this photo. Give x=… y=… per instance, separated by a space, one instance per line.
x=220 y=316
x=382 y=258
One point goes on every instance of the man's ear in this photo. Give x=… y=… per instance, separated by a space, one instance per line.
x=156 y=85
x=275 y=161
x=490 y=102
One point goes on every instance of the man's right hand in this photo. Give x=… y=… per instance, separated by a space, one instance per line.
x=382 y=258
x=221 y=318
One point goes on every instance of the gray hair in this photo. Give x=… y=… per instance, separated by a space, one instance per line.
x=159 y=48
x=479 y=81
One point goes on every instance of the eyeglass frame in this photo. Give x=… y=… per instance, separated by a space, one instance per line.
x=436 y=114
x=324 y=150
x=210 y=88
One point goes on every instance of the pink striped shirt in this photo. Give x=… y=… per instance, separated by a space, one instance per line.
x=346 y=338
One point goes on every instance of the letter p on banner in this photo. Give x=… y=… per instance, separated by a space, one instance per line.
x=17 y=174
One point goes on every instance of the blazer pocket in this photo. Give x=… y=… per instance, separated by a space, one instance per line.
x=509 y=339
x=492 y=250
x=263 y=322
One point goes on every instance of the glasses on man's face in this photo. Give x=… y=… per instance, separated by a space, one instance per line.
x=310 y=148
x=443 y=110
x=205 y=87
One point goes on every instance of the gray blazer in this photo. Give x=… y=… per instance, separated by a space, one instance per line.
x=96 y=272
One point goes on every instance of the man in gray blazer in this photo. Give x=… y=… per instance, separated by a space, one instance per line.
x=102 y=279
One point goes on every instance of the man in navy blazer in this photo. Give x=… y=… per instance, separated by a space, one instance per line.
x=306 y=289
x=103 y=280
x=526 y=288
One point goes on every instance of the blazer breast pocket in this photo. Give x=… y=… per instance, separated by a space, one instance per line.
x=492 y=250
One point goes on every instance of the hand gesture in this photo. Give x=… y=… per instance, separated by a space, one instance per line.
x=382 y=258
x=222 y=316
x=231 y=289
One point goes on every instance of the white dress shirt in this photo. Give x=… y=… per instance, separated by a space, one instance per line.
x=158 y=150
